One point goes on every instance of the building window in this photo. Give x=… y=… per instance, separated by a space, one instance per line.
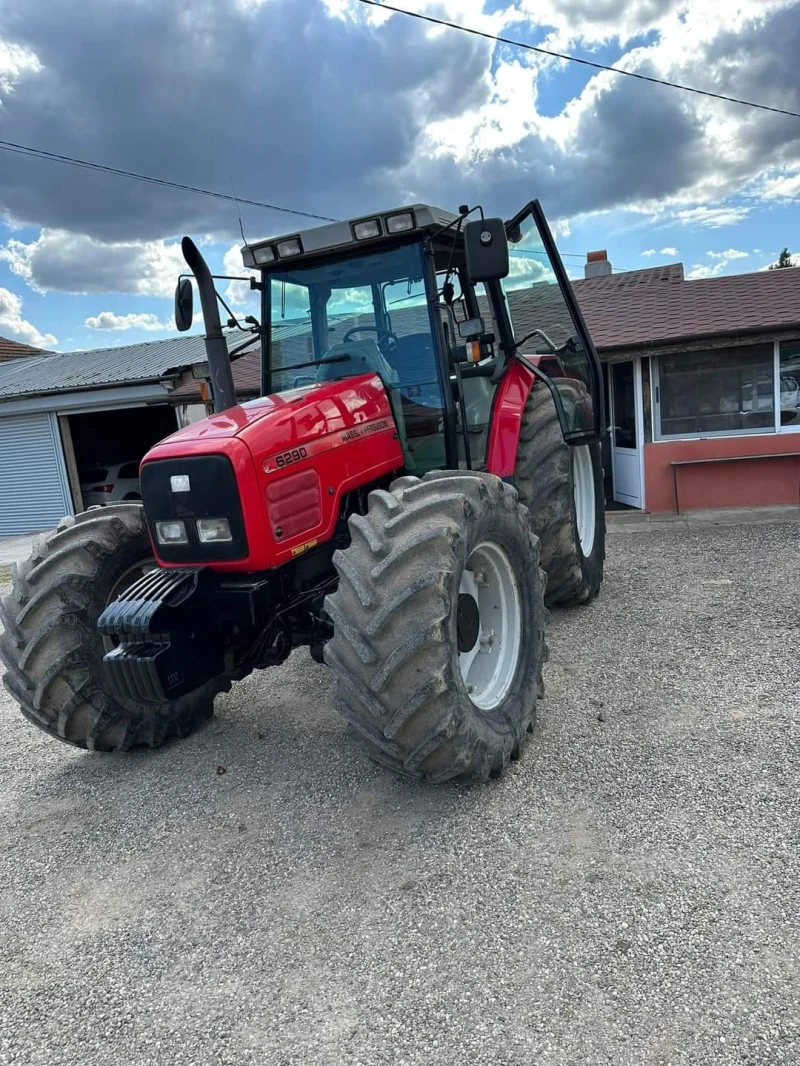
x=716 y=393
x=789 y=384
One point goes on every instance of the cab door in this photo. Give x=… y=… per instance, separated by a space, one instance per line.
x=547 y=321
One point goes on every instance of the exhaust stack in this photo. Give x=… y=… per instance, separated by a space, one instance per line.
x=219 y=364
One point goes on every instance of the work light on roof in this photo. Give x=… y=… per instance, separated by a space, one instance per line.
x=362 y=231
x=264 y=255
x=400 y=223
x=286 y=249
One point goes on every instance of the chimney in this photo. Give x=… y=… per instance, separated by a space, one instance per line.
x=597 y=265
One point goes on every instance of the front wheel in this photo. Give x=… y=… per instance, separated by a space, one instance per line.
x=439 y=626
x=53 y=652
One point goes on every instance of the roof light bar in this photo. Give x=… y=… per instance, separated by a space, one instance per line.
x=264 y=255
x=362 y=231
x=286 y=249
x=401 y=223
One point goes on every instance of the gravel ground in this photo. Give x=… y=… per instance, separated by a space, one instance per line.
x=626 y=894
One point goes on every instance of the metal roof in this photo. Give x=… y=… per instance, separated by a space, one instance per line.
x=96 y=368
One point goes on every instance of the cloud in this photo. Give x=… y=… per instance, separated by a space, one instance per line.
x=727 y=256
x=14 y=327
x=109 y=320
x=721 y=260
x=15 y=64
x=785 y=186
x=70 y=262
x=649 y=252
x=669 y=251
x=396 y=111
x=705 y=270
x=238 y=294
x=219 y=94
x=712 y=217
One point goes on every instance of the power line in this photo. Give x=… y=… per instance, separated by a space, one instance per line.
x=576 y=59
x=54 y=157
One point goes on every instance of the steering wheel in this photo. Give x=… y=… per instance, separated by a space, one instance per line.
x=383 y=335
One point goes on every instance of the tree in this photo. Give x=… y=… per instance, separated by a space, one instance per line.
x=784 y=260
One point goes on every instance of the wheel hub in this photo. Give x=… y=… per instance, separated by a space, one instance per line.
x=468 y=622
x=488 y=625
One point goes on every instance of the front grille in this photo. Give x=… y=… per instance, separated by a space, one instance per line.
x=213 y=493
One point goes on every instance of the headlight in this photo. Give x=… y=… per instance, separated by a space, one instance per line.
x=263 y=255
x=180 y=483
x=400 y=223
x=213 y=530
x=171 y=533
x=364 y=230
x=289 y=248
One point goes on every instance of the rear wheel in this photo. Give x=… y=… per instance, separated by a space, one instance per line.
x=53 y=652
x=562 y=488
x=439 y=626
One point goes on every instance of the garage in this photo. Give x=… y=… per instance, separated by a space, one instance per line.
x=73 y=426
x=106 y=447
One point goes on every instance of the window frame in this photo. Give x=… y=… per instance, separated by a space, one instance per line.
x=777 y=383
x=761 y=431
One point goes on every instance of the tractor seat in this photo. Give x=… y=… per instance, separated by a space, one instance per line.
x=365 y=356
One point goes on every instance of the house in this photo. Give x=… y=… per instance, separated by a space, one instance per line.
x=703 y=385
x=15 y=350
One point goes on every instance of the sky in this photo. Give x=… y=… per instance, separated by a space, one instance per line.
x=332 y=107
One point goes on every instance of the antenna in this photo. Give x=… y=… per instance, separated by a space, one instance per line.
x=239 y=209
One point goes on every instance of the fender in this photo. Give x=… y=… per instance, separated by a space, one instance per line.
x=509 y=403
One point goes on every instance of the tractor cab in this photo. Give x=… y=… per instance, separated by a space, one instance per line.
x=438 y=306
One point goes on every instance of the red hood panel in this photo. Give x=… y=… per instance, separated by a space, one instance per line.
x=231 y=422
x=344 y=430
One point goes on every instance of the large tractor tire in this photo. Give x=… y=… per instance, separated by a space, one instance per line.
x=53 y=652
x=562 y=487
x=439 y=626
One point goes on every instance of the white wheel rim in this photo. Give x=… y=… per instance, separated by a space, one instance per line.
x=488 y=667
x=583 y=493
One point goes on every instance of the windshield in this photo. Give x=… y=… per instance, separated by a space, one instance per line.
x=363 y=314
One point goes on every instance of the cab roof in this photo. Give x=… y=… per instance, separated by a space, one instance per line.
x=341 y=235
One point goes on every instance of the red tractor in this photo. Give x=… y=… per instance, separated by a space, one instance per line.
x=419 y=477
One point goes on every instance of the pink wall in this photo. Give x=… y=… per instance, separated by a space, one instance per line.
x=755 y=482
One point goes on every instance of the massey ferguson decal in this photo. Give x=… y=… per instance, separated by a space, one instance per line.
x=282 y=460
x=357 y=432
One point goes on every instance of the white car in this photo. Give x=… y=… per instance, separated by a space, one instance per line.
x=110 y=484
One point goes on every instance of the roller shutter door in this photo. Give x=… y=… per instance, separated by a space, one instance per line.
x=33 y=482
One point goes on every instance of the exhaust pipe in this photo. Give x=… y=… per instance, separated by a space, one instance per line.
x=219 y=364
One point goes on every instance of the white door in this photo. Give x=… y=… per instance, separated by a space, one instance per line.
x=627 y=431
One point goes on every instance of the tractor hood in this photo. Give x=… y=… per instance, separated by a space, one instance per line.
x=275 y=469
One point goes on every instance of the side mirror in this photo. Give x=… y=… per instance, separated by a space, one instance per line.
x=471 y=328
x=486 y=249
x=184 y=304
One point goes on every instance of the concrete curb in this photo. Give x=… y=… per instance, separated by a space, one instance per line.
x=644 y=522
